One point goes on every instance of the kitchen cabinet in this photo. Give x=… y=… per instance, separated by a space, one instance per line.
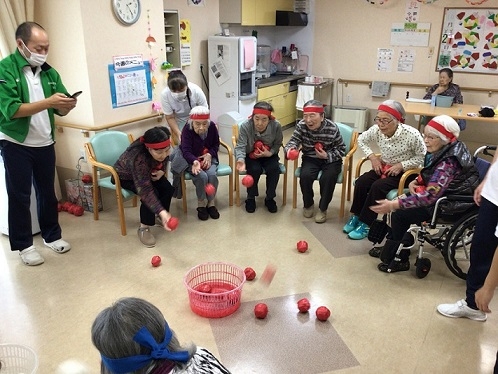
x=172 y=37
x=282 y=100
x=252 y=12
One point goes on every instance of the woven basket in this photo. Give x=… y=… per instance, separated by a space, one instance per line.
x=17 y=359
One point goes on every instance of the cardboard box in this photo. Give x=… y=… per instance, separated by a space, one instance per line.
x=81 y=194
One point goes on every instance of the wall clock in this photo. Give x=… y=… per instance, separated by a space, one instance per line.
x=127 y=11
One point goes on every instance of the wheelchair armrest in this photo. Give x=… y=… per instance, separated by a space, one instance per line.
x=464 y=198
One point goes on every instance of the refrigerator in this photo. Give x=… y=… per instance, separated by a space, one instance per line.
x=232 y=77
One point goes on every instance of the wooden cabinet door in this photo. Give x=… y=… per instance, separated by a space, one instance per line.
x=248 y=9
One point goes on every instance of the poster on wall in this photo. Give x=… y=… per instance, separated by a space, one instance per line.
x=130 y=86
x=469 y=40
x=410 y=34
x=385 y=59
x=185 y=42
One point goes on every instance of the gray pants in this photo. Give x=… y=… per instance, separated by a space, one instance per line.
x=204 y=177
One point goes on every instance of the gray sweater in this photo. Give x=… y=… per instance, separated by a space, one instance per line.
x=248 y=135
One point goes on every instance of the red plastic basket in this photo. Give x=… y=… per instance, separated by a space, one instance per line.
x=214 y=289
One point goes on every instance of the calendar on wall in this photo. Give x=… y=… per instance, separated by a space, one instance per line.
x=469 y=40
x=130 y=86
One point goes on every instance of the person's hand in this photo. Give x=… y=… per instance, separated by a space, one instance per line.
x=482 y=297
x=383 y=206
x=412 y=186
x=205 y=161
x=395 y=169
x=262 y=153
x=477 y=193
x=321 y=153
x=177 y=137
x=376 y=164
x=240 y=165
x=440 y=89
x=196 y=167
x=62 y=103
x=155 y=175
x=165 y=217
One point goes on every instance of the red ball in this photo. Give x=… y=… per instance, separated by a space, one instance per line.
x=70 y=209
x=66 y=206
x=205 y=150
x=259 y=145
x=302 y=246
x=87 y=178
x=319 y=146
x=292 y=154
x=247 y=181
x=173 y=223
x=250 y=273
x=59 y=207
x=155 y=261
x=419 y=189
x=78 y=210
x=210 y=189
x=303 y=305
x=204 y=288
x=322 y=313
x=261 y=310
x=252 y=155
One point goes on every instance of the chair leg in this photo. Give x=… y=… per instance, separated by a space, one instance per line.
x=284 y=192
x=294 y=192
x=134 y=201
x=349 y=181
x=121 y=212
x=343 y=198
x=230 y=189
x=95 y=193
x=237 y=187
x=184 y=194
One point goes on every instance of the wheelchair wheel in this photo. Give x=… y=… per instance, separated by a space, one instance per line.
x=456 y=250
x=423 y=267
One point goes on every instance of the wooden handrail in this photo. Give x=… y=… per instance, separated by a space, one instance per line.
x=345 y=82
x=86 y=129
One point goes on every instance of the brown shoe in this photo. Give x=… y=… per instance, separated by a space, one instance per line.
x=146 y=237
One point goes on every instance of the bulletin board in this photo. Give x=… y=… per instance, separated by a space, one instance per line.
x=469 y=40
x=130 y=86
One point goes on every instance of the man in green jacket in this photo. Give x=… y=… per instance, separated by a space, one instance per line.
x=31 y=92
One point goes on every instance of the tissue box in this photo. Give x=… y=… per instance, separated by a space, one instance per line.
x=444 y=101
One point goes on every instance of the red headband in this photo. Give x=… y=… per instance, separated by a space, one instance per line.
x=199 y=116
x=391 y=111
x=313 y=109
x=438 y=127
x=262 y=111
x=164 y=144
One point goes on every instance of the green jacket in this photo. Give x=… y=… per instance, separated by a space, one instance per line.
x=14 y=92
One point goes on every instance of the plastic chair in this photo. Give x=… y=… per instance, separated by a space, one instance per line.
x=350 y=138
x=103 y=150
x=223 y=170
x=283 y=171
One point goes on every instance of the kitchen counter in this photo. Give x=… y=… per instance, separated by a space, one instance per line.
x=277 y=79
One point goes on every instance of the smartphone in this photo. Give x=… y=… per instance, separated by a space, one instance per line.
x=76 y=94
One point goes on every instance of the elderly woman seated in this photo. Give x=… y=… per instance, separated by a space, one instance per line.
x=449 y=171
x=401 y=148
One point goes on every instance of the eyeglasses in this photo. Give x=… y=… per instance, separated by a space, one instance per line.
x=384 y=121
x=430 y=137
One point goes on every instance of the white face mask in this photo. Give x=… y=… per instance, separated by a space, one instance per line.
x=179 y=95
x=36 y=59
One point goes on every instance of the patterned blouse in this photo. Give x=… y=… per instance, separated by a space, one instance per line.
x=453 y=90
x=405 y=145
x=202 y=362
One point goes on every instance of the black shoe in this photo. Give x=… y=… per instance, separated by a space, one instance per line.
x=202 y=213
x=394 y=266
x=271 y=205
x=213 y=212
x=250 y=205
x=375 y=251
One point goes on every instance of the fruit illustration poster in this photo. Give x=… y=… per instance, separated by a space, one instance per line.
x=469 y=40
x=185 y=42
x=130 y=86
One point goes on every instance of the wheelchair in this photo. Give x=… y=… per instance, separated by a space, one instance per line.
x=452 y=236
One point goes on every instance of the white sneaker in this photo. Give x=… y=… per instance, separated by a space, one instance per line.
x=31 y=257
x=308 y=212
x=460 y=309
x=59 y=246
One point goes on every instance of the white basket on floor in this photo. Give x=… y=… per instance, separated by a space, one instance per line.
x=17 y=359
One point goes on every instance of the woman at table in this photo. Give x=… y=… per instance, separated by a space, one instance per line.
x=446 y=87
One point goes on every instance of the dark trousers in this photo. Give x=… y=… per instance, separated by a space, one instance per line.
x=368 y=188
x=24 y=167
x=402 y=219
x=271 y=168
x=164 y=192
x=310 y=167
x=482 y=249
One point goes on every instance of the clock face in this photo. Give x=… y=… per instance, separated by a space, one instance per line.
x=127 y=11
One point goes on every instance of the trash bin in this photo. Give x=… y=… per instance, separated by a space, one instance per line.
x=225 y=123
